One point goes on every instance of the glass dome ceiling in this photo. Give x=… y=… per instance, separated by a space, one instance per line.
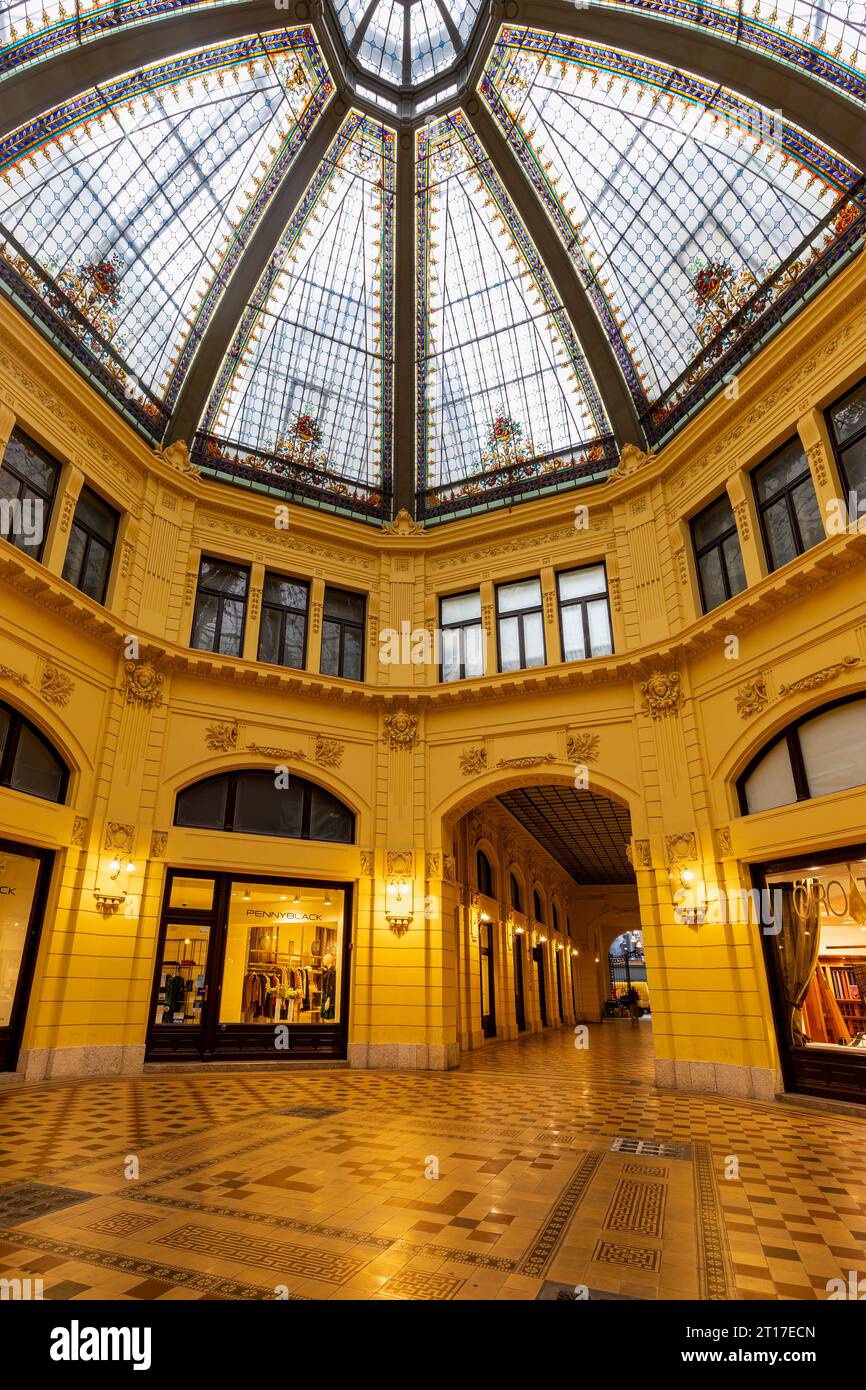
x=361 y=311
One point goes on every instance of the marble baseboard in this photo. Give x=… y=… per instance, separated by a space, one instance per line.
x=404 y=1056
x=52 y=1063
x=718 y=1078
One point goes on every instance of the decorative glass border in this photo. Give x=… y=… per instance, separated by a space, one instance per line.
x=660 y=416
x=23 y=276
x=223 y=455
x=541 y=472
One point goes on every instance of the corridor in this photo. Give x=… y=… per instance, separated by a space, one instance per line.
x=558 y=1168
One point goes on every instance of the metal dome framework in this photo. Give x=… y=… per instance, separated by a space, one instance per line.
x=439 y=277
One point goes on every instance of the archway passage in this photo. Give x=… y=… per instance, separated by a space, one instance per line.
x=547 y=887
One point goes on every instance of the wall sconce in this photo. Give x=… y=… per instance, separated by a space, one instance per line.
x=573 y=951
x=518 y=931
x=399 y=905
x=559 y=945
x=542 y=940
x=114 y=866
x=108 y=903
x=485 y=917
x=689 y=916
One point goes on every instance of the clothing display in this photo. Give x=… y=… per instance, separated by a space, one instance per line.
x=282 y=993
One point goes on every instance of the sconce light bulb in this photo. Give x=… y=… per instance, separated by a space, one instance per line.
x=688 y=876
x=114 y=866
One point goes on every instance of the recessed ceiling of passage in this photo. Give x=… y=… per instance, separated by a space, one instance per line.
x=584 y=832
x=596 y=239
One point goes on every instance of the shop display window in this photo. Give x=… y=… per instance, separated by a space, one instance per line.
x=283 y=958
x=18 y=878
x=182 y=993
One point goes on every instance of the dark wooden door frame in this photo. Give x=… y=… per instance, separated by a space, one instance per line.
x=11 y=1036
x=488 y=1028
x=212 y=1041
x=828 y=1072
x=519 y=1002
x=538 y=957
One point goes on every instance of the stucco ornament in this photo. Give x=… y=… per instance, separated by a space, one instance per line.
x=401 y=729
x=662 y=694
x=143 y=684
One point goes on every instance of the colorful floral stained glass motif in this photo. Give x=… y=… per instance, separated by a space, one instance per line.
x=305 y=392
x=676 y=201
x=504 y=393
x=31 y=30
x=825 y=37
x=159 y=179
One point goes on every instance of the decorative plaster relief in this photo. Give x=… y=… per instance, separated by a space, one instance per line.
x=817 y=678
x=472 y=760
x=401 y=729
x=752 y=696
x=662 y=694
x=142 y=683
x=582 y=747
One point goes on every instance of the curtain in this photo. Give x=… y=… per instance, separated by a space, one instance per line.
x=799 y=942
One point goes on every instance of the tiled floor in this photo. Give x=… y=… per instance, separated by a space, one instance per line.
x=532 y=1170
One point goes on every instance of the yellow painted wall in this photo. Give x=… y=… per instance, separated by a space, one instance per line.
x=415 y=781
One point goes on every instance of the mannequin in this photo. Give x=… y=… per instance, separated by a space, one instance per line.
x=329 y=986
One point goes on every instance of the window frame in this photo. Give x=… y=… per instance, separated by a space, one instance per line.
x=344 y=624
x=520 y=614
x=516 y=897
x=459 y=627
x=91 y=538
x=784 y=492
x=284 y=612
x=37 y=448
x=850 y=442
x=221 y=599
x=489 y=891
x=581 y=603
x=791 y=735
x=718 y=544
x=537 y=903
x=233 y=776
x=17 y=722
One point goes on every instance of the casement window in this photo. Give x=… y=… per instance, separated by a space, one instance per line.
x=283 y=632
x=520 y=625
x=462 y=637
x=28 y=762
x=343 y=635
x=847 y=420
x=220 y=607
x=823 y=752
x=91 y=545
x=28 y=483
x=584 y=614
x=787 y=505
x=718 y=557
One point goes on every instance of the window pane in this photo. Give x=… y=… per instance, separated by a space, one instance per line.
x=599 y=628
x=20 y=875
x=5 y=721
x=854 y=467
x=713 y=522
x=96 y=516
x=329 y=662
x=784 y=468
x=780 y=538
x=182 y=974
x=204 y=622
x=525 y=594
x=24 y=457
x=712 y=579
x=232 y=627
x=451 y=655
x=192 y=893
x=94 y=580
x=533 y=639
x=572 y=633
x=509 y=645
x=579 y=583
x=269 y=636
x=36 y=770
x=203 y=805
x=342 y=605
x=223 y=578
x=328 y=819
x=286 y=592
x=352 y=654
x=263 y=808
x=734 y=563
x=26 y=519
x=834 y=749
x=808 y=513
x=473 y=650
x=293 y=647
x=772 y=782
x=283 y=955
x=74 y=556
x=461 y=608
x=849 y=415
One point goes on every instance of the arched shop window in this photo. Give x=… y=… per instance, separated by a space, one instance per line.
x=28 y=762
x=485 y=874
x=516 y=900
x=537 y=909
x=823 y=752
x=251 y=803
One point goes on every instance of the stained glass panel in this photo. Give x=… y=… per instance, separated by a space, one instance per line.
x=381 y=49
x=430 y=48
x=406 y=54
x=504 y=392
x=127 y=209
x=305 y=393
x=676 y=201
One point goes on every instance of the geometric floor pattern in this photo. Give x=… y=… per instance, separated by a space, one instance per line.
x=535 y=1170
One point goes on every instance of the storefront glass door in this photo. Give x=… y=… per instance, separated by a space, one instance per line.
x=23 y=882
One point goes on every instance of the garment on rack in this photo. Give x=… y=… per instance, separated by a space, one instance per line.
x=329 y=988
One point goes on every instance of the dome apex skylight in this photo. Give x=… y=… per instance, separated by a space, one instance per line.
x=406 y=42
